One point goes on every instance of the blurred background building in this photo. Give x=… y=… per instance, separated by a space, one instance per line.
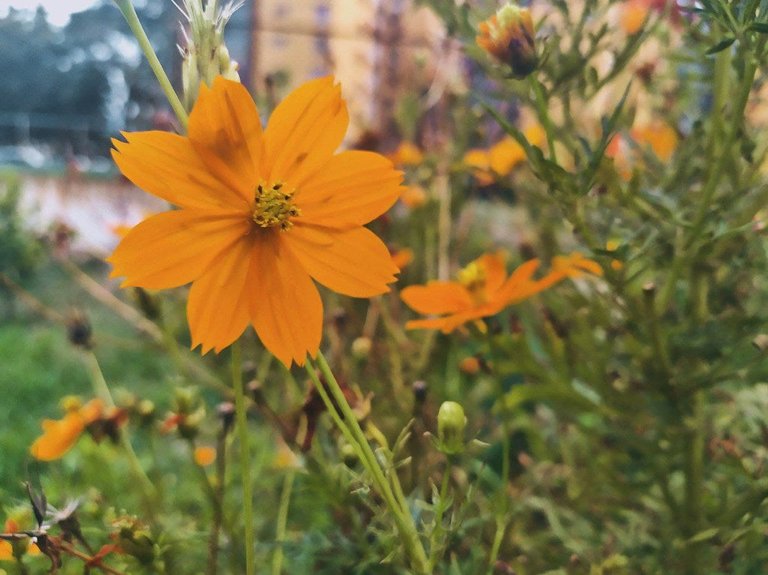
x=69 y=89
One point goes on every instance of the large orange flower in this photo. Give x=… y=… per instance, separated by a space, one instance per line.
x=262 y=215
x=483 y=289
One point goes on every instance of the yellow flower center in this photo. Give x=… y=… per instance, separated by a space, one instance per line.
x=472 y=278
x=273 y=206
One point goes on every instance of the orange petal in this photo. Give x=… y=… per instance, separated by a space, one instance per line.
x=167 y=166
x=352 y=189
x=58 y=438
x=217 y=310
x=304 y=130
x=92 y=411
x=437 y=297
x=445 y=324
x=286 y=309
x=519 y=285
x=495 y=271
x=357 y=263
x=175 y=248
x=225 y=130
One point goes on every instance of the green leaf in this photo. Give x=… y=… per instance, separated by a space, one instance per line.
x=720 y=46
x=761 y=27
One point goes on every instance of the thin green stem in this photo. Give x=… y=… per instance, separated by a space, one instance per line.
x=101 y=389
x=543 y=113
x=241 y=422
x=282 y=522
x=435 y=543
x=129 y=13
x=501 y=529
x=694 y=477
x=347 y=423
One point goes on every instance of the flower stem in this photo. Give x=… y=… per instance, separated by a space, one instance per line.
x=543 y=113
x=694 y=476
x=437 y=532
x=101 y=389
x=282 y=522
x=129 y=13
x=345 y=420
x=245 y=456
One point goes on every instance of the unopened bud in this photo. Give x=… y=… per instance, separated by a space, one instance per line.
x=508 y=36
x=451 y=422
x=361 y=347
x=226 y=411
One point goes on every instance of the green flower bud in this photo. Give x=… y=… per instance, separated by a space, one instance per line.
x=451 y=422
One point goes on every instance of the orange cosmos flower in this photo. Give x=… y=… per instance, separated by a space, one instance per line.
x=483 y=289
x=262 y=214
x=59 y=436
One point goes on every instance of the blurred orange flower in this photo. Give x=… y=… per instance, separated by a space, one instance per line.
x=407 y=154
x=633 y=15
x=263 y=213
x=483 y=289
x=205 y=455
x=414 y=196
x=59 y=436
x=402 y=257
x=6 y=549
x=500 y=159
x=660 y=137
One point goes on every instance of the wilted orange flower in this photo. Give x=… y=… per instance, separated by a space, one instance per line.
x=483 y=289
x=262 y=215
x=508 y=36
x=59 y=436
x=407 y=154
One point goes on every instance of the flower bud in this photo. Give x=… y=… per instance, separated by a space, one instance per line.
x=204 y=54
x=508 y=36
x=451 y=422
x=361 y=347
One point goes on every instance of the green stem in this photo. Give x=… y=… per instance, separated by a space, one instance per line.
x=241 y=423
x=129 y=13
x=101 y=389
x=282 y=522
x=543 y=113
x=694 y=476
x=347 y=423
x=435 y=543
x=501 y=529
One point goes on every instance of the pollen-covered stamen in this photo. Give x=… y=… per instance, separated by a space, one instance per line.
x=273 y=206
x=472 y=278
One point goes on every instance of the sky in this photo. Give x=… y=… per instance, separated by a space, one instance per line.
x=58 y=10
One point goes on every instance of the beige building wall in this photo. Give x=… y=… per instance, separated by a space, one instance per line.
x=377 y=49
